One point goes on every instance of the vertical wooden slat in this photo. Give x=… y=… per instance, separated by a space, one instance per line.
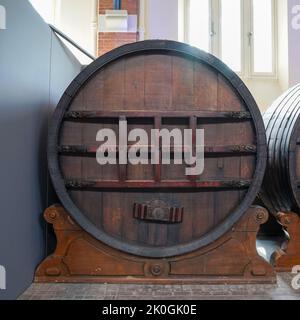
x=193 y=127
x=227 y=167
x=122 y=168
x=157 y=167
x=157 y=234
x=158 y=82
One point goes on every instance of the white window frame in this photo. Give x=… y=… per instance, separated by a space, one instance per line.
x=247 y=47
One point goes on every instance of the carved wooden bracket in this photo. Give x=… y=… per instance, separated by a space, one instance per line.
x=80 y=258
x=288 y=256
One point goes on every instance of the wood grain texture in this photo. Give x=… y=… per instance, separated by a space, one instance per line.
x=80 y=258
x=288 y=256
x=281 y=190
x=157 y=85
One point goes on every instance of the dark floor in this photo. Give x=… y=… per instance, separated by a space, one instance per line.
x=281 y=291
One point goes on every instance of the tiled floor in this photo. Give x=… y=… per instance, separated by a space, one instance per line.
x=281 y=291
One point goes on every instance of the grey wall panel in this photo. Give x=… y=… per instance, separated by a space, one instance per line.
x=35 y=69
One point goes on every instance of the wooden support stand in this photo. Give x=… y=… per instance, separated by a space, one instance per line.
x=81 y=258
x=288 y=256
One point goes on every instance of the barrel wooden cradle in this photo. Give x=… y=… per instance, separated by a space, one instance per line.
x=280 y=191
x=152 y=223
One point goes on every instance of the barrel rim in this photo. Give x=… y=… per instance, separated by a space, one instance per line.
x=163 y=47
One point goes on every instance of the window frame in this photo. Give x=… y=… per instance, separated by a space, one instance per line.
x=247 y=44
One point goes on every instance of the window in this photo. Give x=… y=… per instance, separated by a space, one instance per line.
x=262 y=36
x=231 y=34
x=240 y=32
x=199 y=21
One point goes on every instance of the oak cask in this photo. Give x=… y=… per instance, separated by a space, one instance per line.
x=157 y=211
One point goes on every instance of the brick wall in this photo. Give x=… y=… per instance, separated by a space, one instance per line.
x=111 y=40
x=105 y=5
x=130 y=5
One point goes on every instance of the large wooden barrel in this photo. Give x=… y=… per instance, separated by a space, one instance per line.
x=156 y=210
x=280 y=190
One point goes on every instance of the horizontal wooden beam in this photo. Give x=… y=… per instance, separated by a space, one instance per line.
x=230 y=150
x=151 y=184
x=229 y=116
